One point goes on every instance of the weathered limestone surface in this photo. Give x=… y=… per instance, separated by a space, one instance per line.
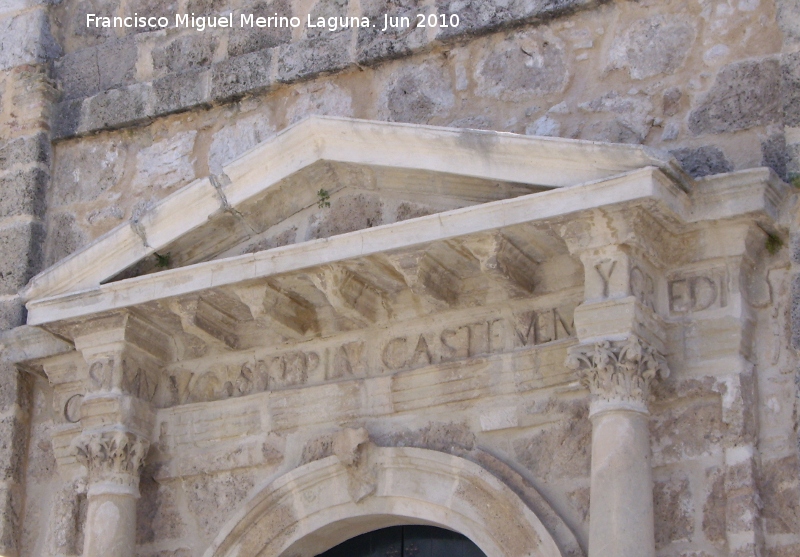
x=261 y=359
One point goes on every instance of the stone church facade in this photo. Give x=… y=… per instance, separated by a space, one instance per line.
x=531 y=279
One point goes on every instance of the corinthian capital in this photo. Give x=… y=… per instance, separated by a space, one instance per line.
x=113 y=458
x=618 y=373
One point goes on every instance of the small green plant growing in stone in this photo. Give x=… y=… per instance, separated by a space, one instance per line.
x=323 y=198
x=773 y=244
x=162 y=261
x=794 y=179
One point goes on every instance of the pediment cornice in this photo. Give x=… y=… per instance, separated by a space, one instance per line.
x=207 y=216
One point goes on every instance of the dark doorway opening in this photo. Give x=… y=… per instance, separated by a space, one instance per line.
x=407 y=541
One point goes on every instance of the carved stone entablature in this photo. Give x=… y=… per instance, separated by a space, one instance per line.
x=618 y=373
x=113 y=458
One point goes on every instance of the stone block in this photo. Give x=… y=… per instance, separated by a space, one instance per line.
x=12 y=314
x=182 y=552
x=78 y=35
x=25 y=39
x=235 y=139
x=528 y=64
x=672 y=500
x=66 y=118
x=15 y=387
x=779 y=488
x=212 y=497
x=117 y=108
x=326 y=9
x=13 y=448
x=687 y=430
x=774 y=154
x=483 y=17
x=348 y=213
x=790 y=88
x=702 y=161
x=793 y=162
x=561 y=450
x=206 y=7
x=154 y=8
x=64 y=237
x=68 y=519
x=446 y=437
x=671 y=101
x=795 y=306
x=789 y=550
x=116 y=62
x=25 y=150
x=417 y=93
x=20 y=255
x=325 y=98
x=652 y=46
x=714 y=519
x=242 y=41
x=9 y=6
x=41 y=461
x=23 y=192
x=166 y=163
x=184 y=53
x=85 y=169
x=236 y=76
x=374 y=44
x=11 y=499
x=789 y=20
x=90 y=70
x=157 y=513
x=182 y=91
x=77 y=73
x=744 y=95
x=314 y=56
x=630 y=122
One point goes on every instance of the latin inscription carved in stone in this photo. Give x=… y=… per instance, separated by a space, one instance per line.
x=351 y=359
x=605 y=269
x=698 y=292
x=72 y=408
x=101 y=373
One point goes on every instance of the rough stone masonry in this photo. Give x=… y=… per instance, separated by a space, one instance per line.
x=199 y=343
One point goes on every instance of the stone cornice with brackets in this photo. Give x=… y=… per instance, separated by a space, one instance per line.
x=486 y=254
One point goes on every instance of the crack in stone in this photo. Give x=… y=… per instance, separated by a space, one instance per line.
x=139 y=230
x=219 y=181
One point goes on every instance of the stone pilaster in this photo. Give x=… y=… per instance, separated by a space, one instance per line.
x=107 y=397
x=619 y=374
x=619 y=357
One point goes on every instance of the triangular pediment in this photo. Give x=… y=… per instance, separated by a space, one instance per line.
x=371 y=174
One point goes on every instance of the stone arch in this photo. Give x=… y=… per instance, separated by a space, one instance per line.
x=321 y=504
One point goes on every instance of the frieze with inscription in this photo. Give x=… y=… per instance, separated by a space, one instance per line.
x=699 y=291
x=385 y=353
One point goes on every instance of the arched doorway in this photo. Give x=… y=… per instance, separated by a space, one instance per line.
x=407 y=541
x=323 y=503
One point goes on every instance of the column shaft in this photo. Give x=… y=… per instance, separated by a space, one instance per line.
x=618 y=374
x=621 y=506
x=110 y=525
